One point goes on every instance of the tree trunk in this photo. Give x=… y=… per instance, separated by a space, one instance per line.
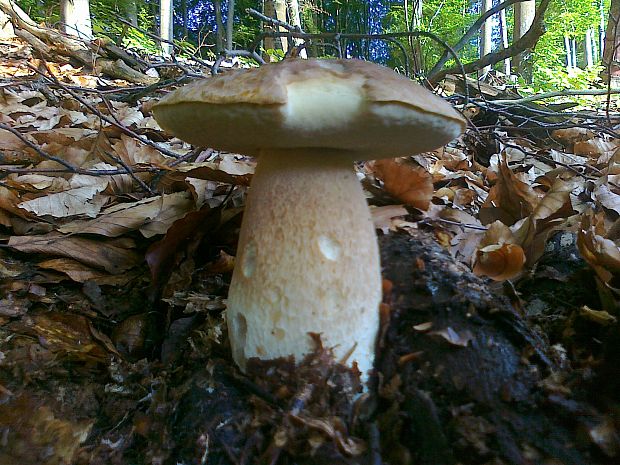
x=230 y=21
x=75 y=18
x=601 y=29
x=504 y=31
x=185 y=17
x=573 y=44
x=588 y=48
x=166 y=15
x=219 y=24
x=6 y=27
x=524 y=17
x=569 y=53
x=295 y=20
x=486 y=31
x=131 y=12
x=269 y=43
x=611 y=52
x=280 y=10
x=154 y=7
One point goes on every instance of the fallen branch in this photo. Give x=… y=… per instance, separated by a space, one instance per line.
x=473 y=30
x=527 y=41
x=51 y=43
x=560 y=93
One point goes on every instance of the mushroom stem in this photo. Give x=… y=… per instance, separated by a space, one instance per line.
x=307 y=261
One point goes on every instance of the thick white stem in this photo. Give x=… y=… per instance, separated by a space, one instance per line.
x=307 y=261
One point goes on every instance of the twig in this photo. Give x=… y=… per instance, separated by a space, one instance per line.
x=525 y=42
x=336 y=37
x=474 y=28
x=560 y=93
x=457 y=223
x=108 y=120
x=71 y=168
x=273 y=21
x=8 y=170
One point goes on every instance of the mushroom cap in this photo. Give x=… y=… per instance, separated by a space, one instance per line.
x=365 y=110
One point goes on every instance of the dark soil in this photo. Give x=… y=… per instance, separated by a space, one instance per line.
x=464 y=375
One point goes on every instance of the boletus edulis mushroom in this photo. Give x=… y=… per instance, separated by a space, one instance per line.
x=307 y=259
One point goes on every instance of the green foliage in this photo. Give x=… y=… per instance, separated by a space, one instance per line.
x=448 y=19
x=546 y=79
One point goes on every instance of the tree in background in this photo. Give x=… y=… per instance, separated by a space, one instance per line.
x=524 y=13
x=611 y=52
x=75 y=18
x=486 y=32
x=166 y=23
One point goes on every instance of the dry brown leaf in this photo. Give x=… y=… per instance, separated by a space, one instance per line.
x=134 y=152
x=151 y=216
x=569 y=136
x=602 y=254
x=556 y=203
x=606 y=198
x=410 y=184
x=38 y=435
x=204 y=170
x=509 y=200
x=79 y=201
x=499 y=262
x=596 y=148
x=113 y=256
x=39 y=182
x=382 y=216
x=75 y=270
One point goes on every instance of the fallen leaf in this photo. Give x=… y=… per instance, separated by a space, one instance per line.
x=499 y=262
x=79 y=201
x=382 y=216
x=509 y=200
x=151 y=216
x=410 y=184
x=602 y=254
x=113 y=256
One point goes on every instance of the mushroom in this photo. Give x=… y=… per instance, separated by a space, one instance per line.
x=308 y=259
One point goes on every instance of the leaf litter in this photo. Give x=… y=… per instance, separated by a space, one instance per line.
x=103 y=228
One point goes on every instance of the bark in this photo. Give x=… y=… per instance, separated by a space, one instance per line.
x=75 y=18
x=269 y=43
x=588 y=48
x=230 y=21
x=166 y=21
x=524 y=17
x=413 y=21
x=131 y=12
x=295 y=20
x=6 y=27
x=280 y=10
x=486 y=32
x=274 y=9
x=504 y=30
x=219 y=33
x=569 y=53
x=184 y=12
x=611 y=52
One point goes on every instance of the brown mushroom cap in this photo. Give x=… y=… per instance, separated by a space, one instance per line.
x=366 y=110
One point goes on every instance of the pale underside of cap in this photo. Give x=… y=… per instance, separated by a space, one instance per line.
x=366 y=110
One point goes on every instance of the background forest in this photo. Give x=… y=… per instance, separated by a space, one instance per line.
x=567 y=55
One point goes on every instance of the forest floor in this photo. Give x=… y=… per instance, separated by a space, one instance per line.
x=500 y=262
